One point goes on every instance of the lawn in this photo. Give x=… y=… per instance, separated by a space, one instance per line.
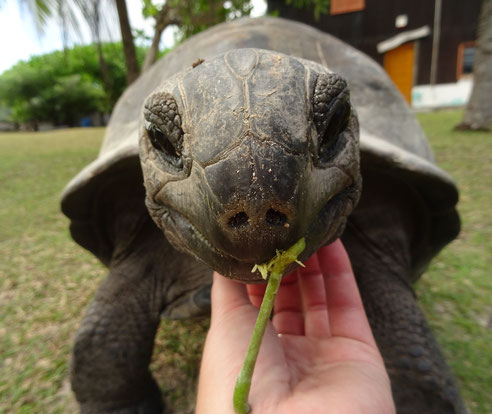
x=46 y=280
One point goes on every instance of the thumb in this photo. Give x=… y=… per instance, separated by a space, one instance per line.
x=227 y=296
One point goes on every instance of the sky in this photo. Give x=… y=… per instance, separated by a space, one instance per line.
x=20 y=39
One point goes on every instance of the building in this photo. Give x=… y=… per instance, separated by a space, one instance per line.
x=427 y=47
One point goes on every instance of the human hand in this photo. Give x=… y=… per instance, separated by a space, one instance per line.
x=318 y=353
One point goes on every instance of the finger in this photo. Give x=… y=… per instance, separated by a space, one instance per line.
x=227 y=295
x=256 y=293
x=287 y=314
x=232 y=323
x=316 y=322
x=345 y=309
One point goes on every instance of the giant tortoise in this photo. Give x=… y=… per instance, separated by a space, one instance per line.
x=246 y=137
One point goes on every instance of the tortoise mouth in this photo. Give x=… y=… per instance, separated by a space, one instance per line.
x=184 y=227
x=185 y=236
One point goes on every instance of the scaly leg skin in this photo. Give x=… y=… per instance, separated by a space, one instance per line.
x=381 y=239
x=147 y=278
x=113 y=347
x=420 y=379
x=112 y=352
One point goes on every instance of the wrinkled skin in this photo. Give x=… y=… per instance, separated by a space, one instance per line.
x=232 y=177
x=241 y=155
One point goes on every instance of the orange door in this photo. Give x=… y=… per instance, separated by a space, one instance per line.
x=398 y=63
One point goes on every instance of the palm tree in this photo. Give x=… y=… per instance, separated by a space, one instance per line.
x=93 y=12
x=132 y=70
x=42 y=10
x=190 y=16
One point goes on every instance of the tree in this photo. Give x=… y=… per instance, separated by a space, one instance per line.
x=132 y=70
x=91 y=10
x=42 y=10
x=191 y=16
x=319 y=7
x=63 y=102
x=96 y=13
x=478 y=113
x=164 y=17
x=62 y=87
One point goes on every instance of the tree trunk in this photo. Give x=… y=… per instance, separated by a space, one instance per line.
x=478 y=113
x=151 y=55
x=132 y=70
x=103 y=69
x=166 y=17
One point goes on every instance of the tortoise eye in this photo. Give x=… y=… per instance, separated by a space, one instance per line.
x=163 y=129
x=337 y=124
x=163 y=145
x=332 y=112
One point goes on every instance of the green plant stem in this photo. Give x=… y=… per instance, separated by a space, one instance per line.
x=243 y=383
x=277 y=265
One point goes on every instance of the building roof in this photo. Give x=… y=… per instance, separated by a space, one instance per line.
x=403 y=37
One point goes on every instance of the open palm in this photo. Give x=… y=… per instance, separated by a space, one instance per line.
x=318 y=355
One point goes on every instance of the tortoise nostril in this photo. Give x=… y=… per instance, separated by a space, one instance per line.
x=275 y=218
x=238 y=220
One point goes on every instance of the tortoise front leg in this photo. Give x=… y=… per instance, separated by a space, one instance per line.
x=386 y=237
x=112 y=351
x=113 y=347
x=421 y=381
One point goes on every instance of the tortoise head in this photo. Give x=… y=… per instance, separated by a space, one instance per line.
x=248 y=152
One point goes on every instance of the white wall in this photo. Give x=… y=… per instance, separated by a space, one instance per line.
x=443 y=95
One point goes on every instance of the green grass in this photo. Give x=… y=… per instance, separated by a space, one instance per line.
x=456 y=291
x=45 y=283
x=46 y=280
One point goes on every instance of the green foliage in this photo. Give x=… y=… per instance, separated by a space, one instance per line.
x=149 y=9
x=319 y=6
x=199 y=15
x=194 y=16
x=63 y=86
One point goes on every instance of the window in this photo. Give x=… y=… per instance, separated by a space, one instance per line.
x=346 y=6
x=466 y=59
